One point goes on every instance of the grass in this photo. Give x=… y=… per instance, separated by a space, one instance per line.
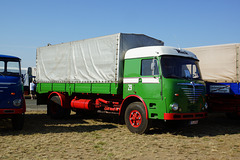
x=78 y=138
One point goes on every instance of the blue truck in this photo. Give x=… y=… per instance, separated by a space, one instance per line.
x=220 y=68
x=12 y=102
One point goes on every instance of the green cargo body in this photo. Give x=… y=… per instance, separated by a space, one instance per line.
x=94 y=88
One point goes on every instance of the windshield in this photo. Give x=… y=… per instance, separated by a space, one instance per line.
x=9 y=68
x=179 y=67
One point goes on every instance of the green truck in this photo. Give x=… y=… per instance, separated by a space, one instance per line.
x=132 y=75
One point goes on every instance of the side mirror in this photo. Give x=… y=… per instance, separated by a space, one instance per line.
x=154 y=66
x=22 y=77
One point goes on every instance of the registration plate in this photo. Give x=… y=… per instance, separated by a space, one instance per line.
x=193 y=122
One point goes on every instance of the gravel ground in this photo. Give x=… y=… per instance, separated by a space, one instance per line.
x=103 y=138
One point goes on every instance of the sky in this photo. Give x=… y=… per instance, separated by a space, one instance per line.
x=26 y=25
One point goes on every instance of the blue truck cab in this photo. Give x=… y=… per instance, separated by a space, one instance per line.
x=12 y=102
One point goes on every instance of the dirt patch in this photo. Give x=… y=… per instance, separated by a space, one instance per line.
x=101 y=138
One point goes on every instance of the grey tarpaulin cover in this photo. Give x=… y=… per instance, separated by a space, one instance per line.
x=95 y=60
x=219 y=63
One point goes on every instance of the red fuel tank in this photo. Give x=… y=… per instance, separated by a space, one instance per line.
x=86 y=104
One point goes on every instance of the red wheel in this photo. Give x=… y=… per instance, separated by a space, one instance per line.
x=135 y=118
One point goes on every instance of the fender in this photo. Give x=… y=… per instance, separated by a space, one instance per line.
x=63 y=99
x=139 y=98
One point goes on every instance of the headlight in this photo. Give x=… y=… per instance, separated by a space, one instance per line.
x=17 y=102
x=206 y=106
x=174 y=106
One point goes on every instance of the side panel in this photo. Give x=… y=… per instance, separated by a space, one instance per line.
x=101 y=88
x=59 y=87
x=83 y=88
x=44 y=87
x=98 y=88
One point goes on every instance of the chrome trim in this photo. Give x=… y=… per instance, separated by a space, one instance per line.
x=190 y=84
x=7 y=83
x=192 y=93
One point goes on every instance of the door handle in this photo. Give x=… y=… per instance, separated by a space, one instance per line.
x=140 y=80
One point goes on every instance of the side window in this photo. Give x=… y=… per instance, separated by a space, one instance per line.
x=149 y=67
x=1 y=66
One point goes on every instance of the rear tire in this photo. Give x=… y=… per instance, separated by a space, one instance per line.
x=55 y=110
x=135 y=118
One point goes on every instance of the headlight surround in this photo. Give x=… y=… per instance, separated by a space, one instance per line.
x=174 y=106
x=17 y=102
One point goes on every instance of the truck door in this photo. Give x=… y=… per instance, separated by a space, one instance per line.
x=149 y=84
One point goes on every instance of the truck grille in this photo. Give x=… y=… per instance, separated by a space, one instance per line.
x=193 y=94
x=192 y=91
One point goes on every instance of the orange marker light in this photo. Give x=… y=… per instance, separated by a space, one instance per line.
x=13 y=93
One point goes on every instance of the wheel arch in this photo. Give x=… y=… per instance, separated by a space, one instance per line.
x=63 y=98
x=129 y=99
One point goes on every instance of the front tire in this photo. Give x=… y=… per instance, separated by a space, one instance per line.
x=135 y=118
x=18 y=121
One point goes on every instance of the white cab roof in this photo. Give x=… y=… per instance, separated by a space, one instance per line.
x=155 y=51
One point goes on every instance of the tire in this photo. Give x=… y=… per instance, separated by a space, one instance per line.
x=135 y=118
x=55 y=109
x=18 y=122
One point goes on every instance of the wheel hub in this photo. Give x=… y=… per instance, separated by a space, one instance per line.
x=135 y=118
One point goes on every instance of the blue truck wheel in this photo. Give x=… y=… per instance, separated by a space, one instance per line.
x=18 y=121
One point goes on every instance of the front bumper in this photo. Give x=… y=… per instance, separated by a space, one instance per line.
x=12 y=111
x=185 y=116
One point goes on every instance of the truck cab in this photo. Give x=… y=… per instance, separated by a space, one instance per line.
x=12 y=102
x=168 y=82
